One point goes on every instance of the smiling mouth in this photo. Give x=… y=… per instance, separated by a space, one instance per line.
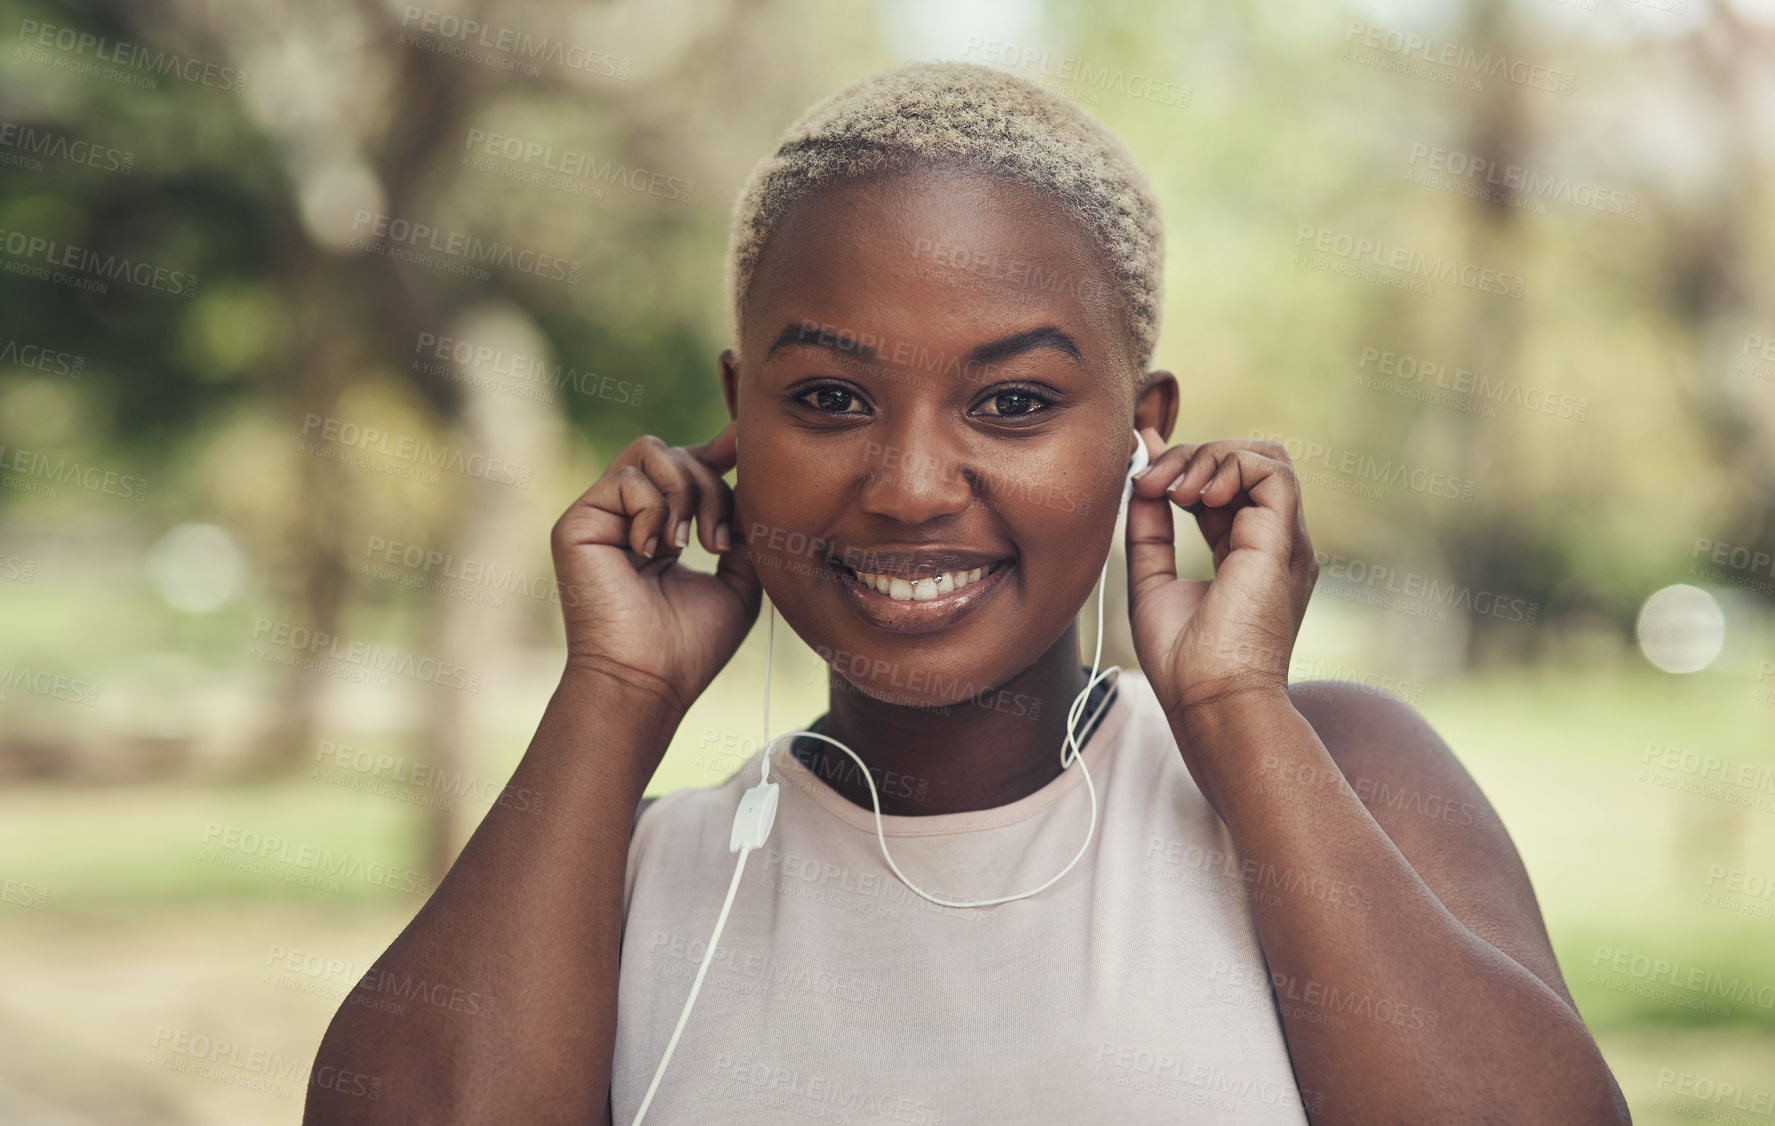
x=931 y=601
x=927 y=588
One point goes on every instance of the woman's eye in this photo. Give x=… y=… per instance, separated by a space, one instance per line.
x=1013 y=403
x=830 y=400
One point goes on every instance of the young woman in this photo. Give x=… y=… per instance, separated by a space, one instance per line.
x=946 y=293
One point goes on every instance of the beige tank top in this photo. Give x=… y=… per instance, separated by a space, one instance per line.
x=1133 y=990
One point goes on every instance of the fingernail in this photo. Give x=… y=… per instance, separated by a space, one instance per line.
x=682 y=535
x=648 y=547
x=1173 y=485
x=723 y=538
x=1143 y=473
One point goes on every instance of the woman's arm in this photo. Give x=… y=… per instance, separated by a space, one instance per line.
x=531 y=913
x=506 y=981
x=1367 y=934
x=1412 y=969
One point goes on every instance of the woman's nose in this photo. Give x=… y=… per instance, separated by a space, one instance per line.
x=914 y=483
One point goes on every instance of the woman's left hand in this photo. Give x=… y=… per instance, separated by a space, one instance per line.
x=1202 y=643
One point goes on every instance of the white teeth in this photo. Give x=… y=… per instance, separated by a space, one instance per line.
x=923 y=590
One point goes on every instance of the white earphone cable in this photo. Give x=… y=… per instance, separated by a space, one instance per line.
x=695 y=987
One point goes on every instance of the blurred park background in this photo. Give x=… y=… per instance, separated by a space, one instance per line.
x=313 y=316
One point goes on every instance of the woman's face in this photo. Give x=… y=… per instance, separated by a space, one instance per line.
x=935 y=395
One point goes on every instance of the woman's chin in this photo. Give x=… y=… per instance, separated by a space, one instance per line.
x=888 y=692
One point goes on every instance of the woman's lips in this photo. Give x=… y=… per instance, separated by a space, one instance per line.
x=889 y=613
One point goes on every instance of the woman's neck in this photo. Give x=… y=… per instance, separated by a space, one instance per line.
x=979 y=754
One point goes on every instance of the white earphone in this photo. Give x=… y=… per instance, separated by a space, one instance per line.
x=757 y=811
x=1139 y=461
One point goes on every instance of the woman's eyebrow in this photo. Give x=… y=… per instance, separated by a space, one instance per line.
x=994 y=351
x=1048 y=336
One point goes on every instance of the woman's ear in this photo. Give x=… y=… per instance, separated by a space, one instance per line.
x=730 y=382
x=1156 y=405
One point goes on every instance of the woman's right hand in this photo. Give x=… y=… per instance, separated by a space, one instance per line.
x=633 y=613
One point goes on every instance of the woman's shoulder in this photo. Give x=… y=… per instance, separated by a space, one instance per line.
x=1394 y=760
x=1388 y=751
x=1434 y=812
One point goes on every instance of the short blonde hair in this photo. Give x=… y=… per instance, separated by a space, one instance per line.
x=933 y=113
